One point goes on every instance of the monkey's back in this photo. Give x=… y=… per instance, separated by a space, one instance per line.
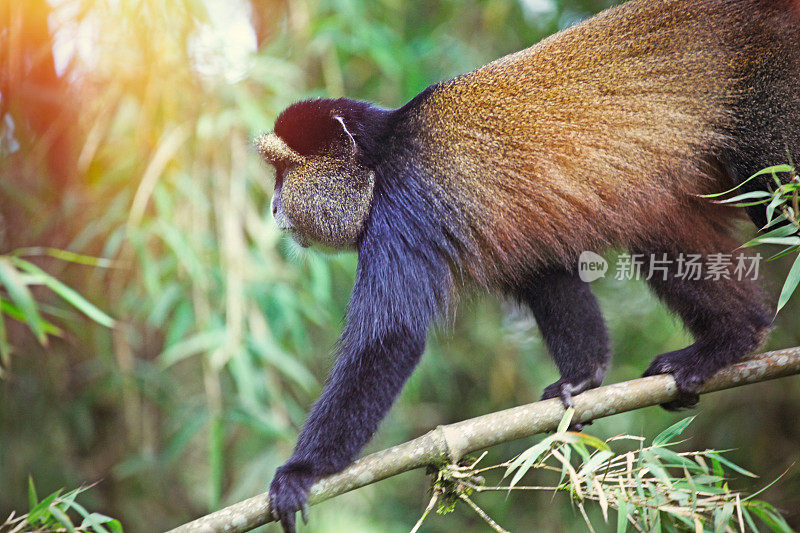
x=606 y=132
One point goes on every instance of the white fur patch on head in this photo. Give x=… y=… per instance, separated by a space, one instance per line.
x=274 y=149
x=347 y=132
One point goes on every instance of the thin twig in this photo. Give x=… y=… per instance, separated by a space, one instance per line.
x=494 y=525
x=428 y=509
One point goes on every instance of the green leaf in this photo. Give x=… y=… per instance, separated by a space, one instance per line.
x=40 y=510
x=597 y=460
x=62 y=518
x=523 y=463
x=769 y=516
x=762 y=489
x=22 y=297
x=783 y=253
x=651 y=462
x=99 y=520
x=745 y=196
x=96 y=521
x=672 y=458
x=729 y=464
x=566 y=461
x=622 y=515
x=777 y=220
x=666 y=436
x=565 y=420
x=199 y=343
x=64 y=255
x=722 y=517
x=32 y=498
x=790 y=285
x=591 y=440
x=68 y=294
x=115 y=526
x=749 y=519
x=783 y=231
x=783 y=241
x=14 y=312
x=768 y=170
x=777 y=200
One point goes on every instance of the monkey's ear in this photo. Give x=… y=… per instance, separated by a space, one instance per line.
x=274 y=150
x=350 y=142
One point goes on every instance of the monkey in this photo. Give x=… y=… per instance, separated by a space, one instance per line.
x=604 y=135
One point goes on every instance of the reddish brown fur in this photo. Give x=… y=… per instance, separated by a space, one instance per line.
x=600 y=135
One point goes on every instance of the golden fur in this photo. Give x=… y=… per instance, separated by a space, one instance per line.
x=603 y=134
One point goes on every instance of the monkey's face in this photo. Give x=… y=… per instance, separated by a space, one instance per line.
x=321 y=199
x=324 y=200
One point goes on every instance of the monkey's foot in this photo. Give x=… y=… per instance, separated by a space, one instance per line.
x=690 y=368
x=565 y=390
x=288 y=493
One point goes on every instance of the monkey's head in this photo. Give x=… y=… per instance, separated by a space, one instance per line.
x=323 y=192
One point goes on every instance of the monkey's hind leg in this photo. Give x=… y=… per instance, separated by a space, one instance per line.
x=726 y=317
x=572 y=326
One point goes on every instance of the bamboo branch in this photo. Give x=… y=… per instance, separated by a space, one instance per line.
x=451 y=442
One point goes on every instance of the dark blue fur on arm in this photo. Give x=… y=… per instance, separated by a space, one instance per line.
x=401 y=284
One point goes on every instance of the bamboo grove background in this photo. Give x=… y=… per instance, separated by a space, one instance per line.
x=124 y=134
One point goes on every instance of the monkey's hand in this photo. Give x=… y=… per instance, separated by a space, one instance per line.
x=288 y=492
x=689 y=370
x=565 y=390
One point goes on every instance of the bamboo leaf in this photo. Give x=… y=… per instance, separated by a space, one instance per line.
x=32 y=498
x=64 y=255
x=62 y=518
x=769 y=170
x=749 y=519
x=790 y=285
x=729 y=464
x=198 y=343
x=40 y=509
x=722 y=517
x=14 y=312
x=783 y=253
x=622 y=513
x=666 y=436
x=777 y=220
x=565 y=420
x=773 y=205
x=597 y=460
x=523 y=463
x=66 y=293
x=746 y=196
x=96 y=521
x=782 y=231
x=783 y=241
x=22 y=297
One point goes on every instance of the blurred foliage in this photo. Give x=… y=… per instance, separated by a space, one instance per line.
x=124 y=135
